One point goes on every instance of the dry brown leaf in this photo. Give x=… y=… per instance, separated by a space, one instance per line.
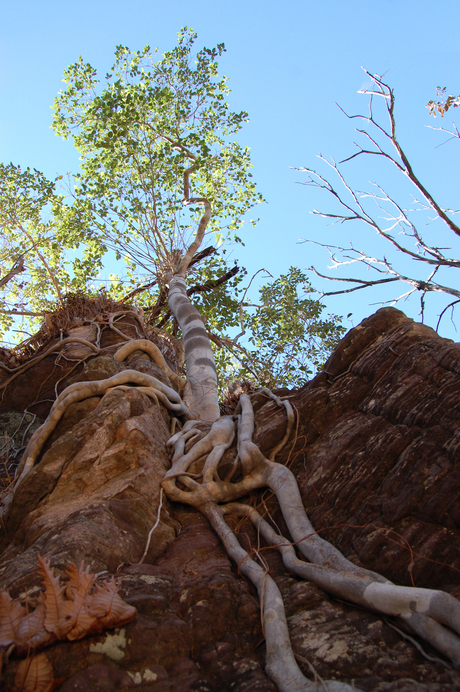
x=109 y=608
x=11 y=614
x=64 y=611
x=81 y=580
x=54 y=601
x=80 y=584
x=84 y=623
x=31 y=631
x=35 y=674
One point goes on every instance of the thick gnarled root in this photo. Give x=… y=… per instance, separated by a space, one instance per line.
x=84 y=390
x=79 y=391
x=281 y=665
x=426 y=612
x=433 y=615
x=156 y=355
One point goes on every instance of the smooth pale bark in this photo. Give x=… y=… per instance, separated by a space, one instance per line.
x=425 y=611
x=281 y=665
x=433 y=615
x=155 y=354
x=200 y=394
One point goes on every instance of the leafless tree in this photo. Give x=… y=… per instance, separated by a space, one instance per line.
x=415 y=260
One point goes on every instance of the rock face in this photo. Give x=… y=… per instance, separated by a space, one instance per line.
x=376 y=452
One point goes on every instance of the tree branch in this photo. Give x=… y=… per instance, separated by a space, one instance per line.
x=23 y=312
x=17 y=268
x=395 y=217
x=185 y=263
x=388 y=92
x=210 y=285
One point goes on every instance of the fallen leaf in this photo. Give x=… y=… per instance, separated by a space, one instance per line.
x=31 y=631
x=11 y=614
x=109 y=608
x=80 y=580
x=35 y=674
x=64 y=611
x=80 y=584
x=54 y=601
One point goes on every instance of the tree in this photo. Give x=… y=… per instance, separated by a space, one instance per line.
x=33 y=238
x=151 y=231
x=155 y=130
x=417 y=261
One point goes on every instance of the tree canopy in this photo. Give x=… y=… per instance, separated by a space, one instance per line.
x=161 y=173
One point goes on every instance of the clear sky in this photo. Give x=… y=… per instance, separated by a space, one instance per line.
x=288 y=61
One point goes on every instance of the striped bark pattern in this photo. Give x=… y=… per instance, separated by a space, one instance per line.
x=200 y=394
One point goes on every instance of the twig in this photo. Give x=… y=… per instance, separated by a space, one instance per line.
x=417 y=645
x=153 y=528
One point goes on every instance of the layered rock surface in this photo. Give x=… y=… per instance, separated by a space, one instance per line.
x=376 y=452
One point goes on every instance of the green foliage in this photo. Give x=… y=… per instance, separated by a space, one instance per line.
x=219 y=306
x=32 y=227
x=156 y=127
x=286 y=338
x=139 y=133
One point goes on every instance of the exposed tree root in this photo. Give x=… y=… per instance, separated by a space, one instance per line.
x=194 y=479
x=281 y=665
x=432 y=615
x=423 y=610
x=149 y=537
x=123 y=313
x=156 y=355
x=84 y=390
x=33 y=361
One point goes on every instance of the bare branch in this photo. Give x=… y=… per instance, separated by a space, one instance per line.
x=393 y=222
x=361 y=282
x=408 y=168
x=451 y=305
x=23 y=312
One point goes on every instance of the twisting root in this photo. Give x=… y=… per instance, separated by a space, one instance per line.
x=281 y=665
x=154 y=352
x=148 y=391
x=37 y=359
x=424 y=610
x=84 y=390
x=433 y=615
x=147 y=545
x=123 y=313
x=290 y=424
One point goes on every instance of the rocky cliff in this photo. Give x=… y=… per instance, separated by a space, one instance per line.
x=375 y=450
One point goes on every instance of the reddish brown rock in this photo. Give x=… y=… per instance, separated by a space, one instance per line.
x=376 y=452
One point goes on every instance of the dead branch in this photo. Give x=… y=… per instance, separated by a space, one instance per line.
x=393 y=222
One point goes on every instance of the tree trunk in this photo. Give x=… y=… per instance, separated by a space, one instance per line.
x=375 y=450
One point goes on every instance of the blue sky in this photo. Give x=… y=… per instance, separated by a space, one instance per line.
x=288 y=63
